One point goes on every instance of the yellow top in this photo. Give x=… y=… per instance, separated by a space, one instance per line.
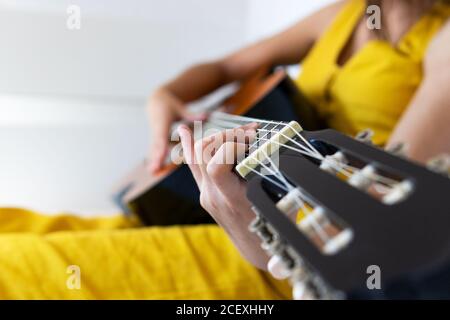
x=375 y=86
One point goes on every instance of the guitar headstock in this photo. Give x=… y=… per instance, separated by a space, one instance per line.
x=356 y=206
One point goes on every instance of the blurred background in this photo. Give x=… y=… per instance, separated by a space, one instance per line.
x=72 y=102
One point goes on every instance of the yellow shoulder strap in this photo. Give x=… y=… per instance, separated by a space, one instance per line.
x=341 y=29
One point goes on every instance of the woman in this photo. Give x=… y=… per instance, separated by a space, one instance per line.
x=393 y=80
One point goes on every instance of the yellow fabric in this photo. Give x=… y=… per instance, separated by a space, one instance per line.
x=14 y=220
x=117 y=262
x=375 y=86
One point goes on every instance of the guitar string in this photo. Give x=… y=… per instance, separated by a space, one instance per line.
x=265 y=177
x=223 y=121
x=291 y=140
x=226 y=125
x=310 y=151
x=320 y=230
x=351 y=170
x=342 y=168
x=300 y=203
x=258 y=139
x=268 y=122
x=250 y=119
x=255 y=143
x=320 y=158
x=292 y=148
x=278 y=175
x=347 y=169
x=276 y=172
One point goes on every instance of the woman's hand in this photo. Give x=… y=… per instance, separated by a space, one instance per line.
x=222 y=192
x=164 y=109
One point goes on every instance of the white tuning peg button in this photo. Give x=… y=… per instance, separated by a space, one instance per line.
x=301 y=291
x=277 y=268
x=363 y=178
x=332 y=164
x=398 y=193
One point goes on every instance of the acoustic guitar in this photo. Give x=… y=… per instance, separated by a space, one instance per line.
x=332 y=210
x=329 y=208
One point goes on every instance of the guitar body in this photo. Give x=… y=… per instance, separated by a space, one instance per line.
x=171 y=196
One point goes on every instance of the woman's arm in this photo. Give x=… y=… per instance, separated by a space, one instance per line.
x=289 y=47
x=285 y=48
x=425 y=126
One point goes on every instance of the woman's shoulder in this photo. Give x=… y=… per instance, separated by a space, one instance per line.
x=439 y=50
x=444 y=33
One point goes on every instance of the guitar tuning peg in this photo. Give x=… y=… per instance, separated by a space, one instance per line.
x=440 y=164
x=398 y=149
x=257 y=224
x=266 y=236
x=302 y=291
x=363 y=178
x=332 y=164
x=278 y=269
x=275 y=247
x=365 y=136
x=262 y=229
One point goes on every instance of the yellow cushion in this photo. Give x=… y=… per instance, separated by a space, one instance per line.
x=142 y=263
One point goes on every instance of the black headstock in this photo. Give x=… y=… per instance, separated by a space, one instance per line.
x=408 y=236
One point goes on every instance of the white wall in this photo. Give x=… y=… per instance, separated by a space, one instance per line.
x=268 y=16
x=124 y=48
x=72 y=118
x=64 y=154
